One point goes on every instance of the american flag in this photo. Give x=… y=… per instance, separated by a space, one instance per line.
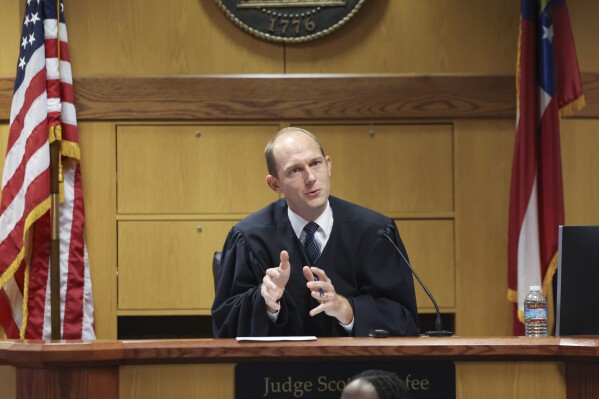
x=549 y=86
x=42 y=111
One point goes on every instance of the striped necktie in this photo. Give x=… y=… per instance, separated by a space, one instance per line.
x=311 y=246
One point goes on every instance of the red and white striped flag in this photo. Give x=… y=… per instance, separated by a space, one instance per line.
x=549 y=86
x=43 y=103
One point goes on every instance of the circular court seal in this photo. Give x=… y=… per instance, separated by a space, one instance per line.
x=290 y=21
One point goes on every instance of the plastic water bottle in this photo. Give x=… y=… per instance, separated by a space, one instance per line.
x=535 y=313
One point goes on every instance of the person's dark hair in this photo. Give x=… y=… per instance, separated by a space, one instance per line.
x=388 y=385
x=271 y=163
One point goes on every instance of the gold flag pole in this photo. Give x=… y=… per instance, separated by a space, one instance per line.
x=55 y=178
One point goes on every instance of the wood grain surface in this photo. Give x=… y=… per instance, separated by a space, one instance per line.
x=73 y=354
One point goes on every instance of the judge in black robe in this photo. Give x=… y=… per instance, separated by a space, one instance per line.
x=363 y=266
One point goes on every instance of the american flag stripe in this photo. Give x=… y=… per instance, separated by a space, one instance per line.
x=87 y=325
x=36 y=89
x=36 y=165
x=26 y=123
x=13 y=244
x=52 y=69
x=28 y=144
x=43 y=98
x=53 y=89
x=75 y=282
x=52 y=49
x=39 y=282
x=50 y=31
x=11 y=308
x=7 y=319
x=69 y=115
x=65 y=70
x=73 y=312
x=19 y=277
x=35 y=66
x=69 y=132
x=23 y=177
x=68 y=96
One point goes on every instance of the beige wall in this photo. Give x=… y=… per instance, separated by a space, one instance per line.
x=153 y=37
x=194 y=37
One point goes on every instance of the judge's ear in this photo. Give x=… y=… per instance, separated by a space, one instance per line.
x=272 y=182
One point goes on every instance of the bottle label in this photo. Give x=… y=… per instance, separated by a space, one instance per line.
x=535 y=314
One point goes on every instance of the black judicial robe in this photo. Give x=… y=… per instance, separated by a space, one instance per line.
x=363 y=267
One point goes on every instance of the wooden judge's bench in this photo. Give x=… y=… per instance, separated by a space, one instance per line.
x=505 y=367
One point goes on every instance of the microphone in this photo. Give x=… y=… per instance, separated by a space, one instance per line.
x=438 y=332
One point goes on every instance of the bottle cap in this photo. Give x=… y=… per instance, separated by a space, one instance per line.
x=535 y=288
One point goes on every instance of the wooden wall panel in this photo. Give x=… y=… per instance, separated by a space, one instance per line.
x=167 y=265
x=154 y=38
x=386 y=36
x=394 y=169
x=3 y=142
x=580 y=167
x=389 y=36
x=81 y=382
x=500 y=380
x=98 y=168
x=196 y=381
x=11 y=18
x=583 y=18
x=193 y=169
x=474 y=380
x=483 y=154
x=259 y=98
x=141 y=38
x=8 y=382
x=430 y=247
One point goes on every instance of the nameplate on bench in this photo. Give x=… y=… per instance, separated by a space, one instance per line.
x=323 y=380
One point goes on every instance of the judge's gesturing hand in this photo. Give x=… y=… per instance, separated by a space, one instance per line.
x=274 y=282
x=323 y=291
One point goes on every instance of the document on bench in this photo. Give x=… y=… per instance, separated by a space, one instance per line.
x=275 y=339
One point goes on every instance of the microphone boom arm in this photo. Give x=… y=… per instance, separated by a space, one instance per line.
x=438 y=332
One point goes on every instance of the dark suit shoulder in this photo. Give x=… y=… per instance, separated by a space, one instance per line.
x=270 y=216
x=345 y=211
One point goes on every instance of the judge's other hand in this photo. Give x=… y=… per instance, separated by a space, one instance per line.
x=274 y=282
x=331 y=303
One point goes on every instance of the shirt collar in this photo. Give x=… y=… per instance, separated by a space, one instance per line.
x=324 y=221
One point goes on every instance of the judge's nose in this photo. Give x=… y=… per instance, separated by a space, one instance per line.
x=310 y=177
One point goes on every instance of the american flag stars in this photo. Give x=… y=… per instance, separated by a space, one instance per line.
x=33 y=34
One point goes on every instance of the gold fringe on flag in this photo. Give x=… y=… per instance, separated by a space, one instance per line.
x=25 y=302
x=573 y=107
x=71 y=150
x=35 y=214
x=512 y=295
x=518 y=70
x=55 y=135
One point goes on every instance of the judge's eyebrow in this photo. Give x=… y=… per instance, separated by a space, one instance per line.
x=299 y=164
x=291 y=167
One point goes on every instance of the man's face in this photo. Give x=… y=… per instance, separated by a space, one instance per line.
x=303 y=174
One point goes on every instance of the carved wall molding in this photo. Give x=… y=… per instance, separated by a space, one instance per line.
x=298 y=97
